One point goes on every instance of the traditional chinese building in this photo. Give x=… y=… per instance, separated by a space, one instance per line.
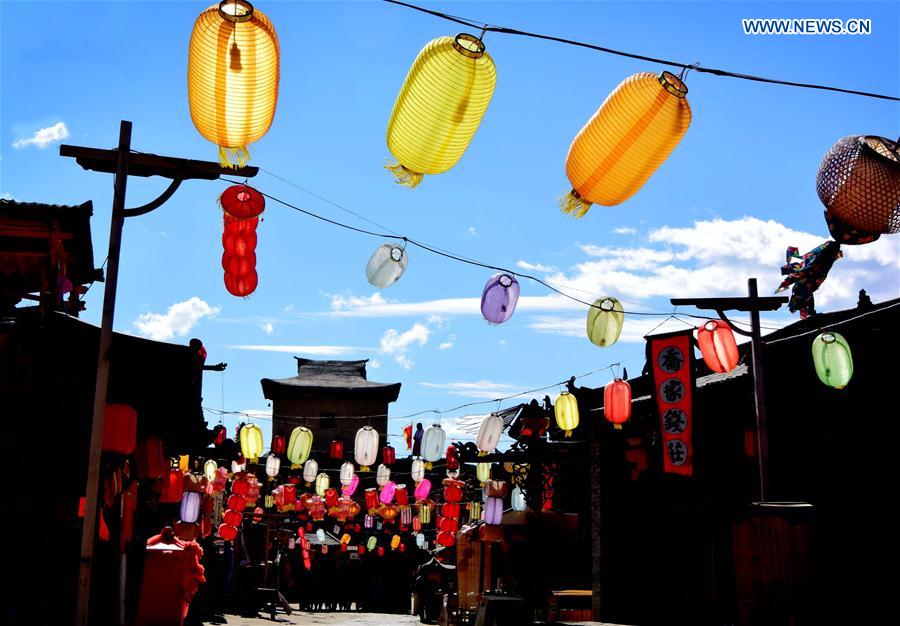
x=334 y=399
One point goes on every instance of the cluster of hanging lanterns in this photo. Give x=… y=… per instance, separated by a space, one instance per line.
x=242 y=206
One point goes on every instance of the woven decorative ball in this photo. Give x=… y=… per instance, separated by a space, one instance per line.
x=859 y=183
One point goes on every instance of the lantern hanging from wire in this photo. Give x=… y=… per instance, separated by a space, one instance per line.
x=365 y=448
x=425 y=512
x=273 y=465
x=190 y=506
x=233 y=71
x=323 y=482
x=401 y=495
x=388 y=455
x=832 y=359
x=209 y=470
x=452 y=456
x=347 y=473
x=859 y=183
x=489 y=433
x=242 y=202
x=387 y=492
x=566 y=412
x=310 y=471
x=336 y=450
x=493 y=511
x=299 y=445
x=423 y=489
x=386 y=265
x=499 y=298
x=626 y=140
x=420 y=540
x=239 y=255
x=517 y=499
x=279 y=444
x=417 y=470
x=382 y=474
x=717 y=345
x=350 y=488
x=440 y=107
x=433 y=443
x=617 y=402
x=604 y=321
x=483 y=472
x=251 y=442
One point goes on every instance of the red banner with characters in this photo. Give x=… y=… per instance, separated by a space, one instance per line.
x=671 y=359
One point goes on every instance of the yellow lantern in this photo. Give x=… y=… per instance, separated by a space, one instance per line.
x=184 y=462
x=299 y=445
x=483 y=472
x=233 y=77
x=323 y=482
x=566 y=410
x=251 y=442
x=209 y=469
x=626 y=140
x=605 y=319
x=440 y=106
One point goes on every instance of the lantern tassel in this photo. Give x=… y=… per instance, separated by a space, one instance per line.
x=233 y=157
x=574 y=205
x=405 y=177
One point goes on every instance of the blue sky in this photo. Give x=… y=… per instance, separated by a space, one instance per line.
x=734 y=194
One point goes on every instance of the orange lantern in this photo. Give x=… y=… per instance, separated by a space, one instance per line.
x=617 y=402
x=718 y=347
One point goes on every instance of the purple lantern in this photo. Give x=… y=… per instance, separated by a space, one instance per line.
x=387 y=492
x=498 y=301
x=493 y=511
x=369 y=521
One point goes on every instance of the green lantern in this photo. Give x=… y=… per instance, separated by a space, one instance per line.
x=832 y=358
x=299 y=445
x=604 y=321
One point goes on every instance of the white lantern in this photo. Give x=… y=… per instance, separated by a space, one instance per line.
x=418 y=470
x=347 y=473
x=209 y=469
x=483 y=472
x=386 y=265
x=237 y=467
x=273 y=464
x=322 y=483
x=365 y=449
x=382 y=475
x=310 y=471
x=420 y=540
x=434 y=443
x=489 y=433
x=518 y=499
x=320 y=535
x=190 y=506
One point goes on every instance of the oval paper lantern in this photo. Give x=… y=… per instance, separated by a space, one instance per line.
x=386 y=265
x=119 y=428
x=388 y=454
x=493 y=511
x=227 y=532
x=617 y=402
x=833 y=360
x=483 y=472
x=566 y=411
x=190 y=506
x=242 y=202
x=489 y=433
x=350 y=489
x=440 y=106
x=452 y=456
x=517 y=499
x=718 y=347
x=401 y=495
x=279 y=444
x=420 y=540
x=233 y=77
x=365 y=448
x=604 y=321
x=417 y=470
x=382 y=475
x=499 y=298
x=347 y=473
x=425 y=512
x=299 y=445
x=627 y=139
x=322 y=483
x=372 y=543
x=387 y=492
x=336 y=450
x=251 y=442
x=859 y=183
x=273 y=465
x=209 y=469
x=422 y=490
x=310 y=471
x=433 y=443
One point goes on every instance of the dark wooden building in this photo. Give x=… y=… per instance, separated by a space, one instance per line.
x=334 y=399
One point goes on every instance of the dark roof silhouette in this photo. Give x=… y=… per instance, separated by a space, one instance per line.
x=329 y=376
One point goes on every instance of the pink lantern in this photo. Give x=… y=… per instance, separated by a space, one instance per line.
x=387 y=492
x=350 y=489
x=423 y=489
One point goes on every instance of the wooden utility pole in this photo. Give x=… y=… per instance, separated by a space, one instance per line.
x=123 y=163
x=752 y=304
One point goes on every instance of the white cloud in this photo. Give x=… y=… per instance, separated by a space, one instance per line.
x=482 y=389
x=44 y=137
x=445 y=345
x=625 y=230
x=177 y=321
x=473 y=231
x=289 y=308
x=267 y=328
x=7 y=196
x=397 y=344
x=310 y=350
x=377 y=306
x=536 y=267
x=374 y=364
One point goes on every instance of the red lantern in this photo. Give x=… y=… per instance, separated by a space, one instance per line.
x=416 y=524
x=336 y=450
x=453 y=490
x=718 y=347
x=617 y=402
x=232 y=518
x=450 y=509
x=278 y=444
x=241 y=286
x=240 y=486
x=290 y=494
x=236 y=503
x=380 y=550
x=228 y=533
x=331 y=497
x=219 y=433
x=361 y=549
x=448 y=525
x=452 y=458
x=119 y=428
x=388 y=455
x=150 y=459
x=169 y=486
x=401 y=495
x=242 y=202
x=371 y=499
x=446 y=539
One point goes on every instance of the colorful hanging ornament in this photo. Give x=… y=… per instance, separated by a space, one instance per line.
x=605 y=319
x=347 y=473
x=717 y=345
x=440 y=106
x=617 y=402
x=239 y=255
x=233 y=65
x=433 y=444
x=566 y=412
x=242 y=202
x=310 y=471
x=627 y=139
x=386 y=265
x=273 y=465
x=499 y=298
x=382 y=474
x=489 y=433
x=832 y=359
x=299 y=445
x=251 y=442
x=806 y=274
x=365 y=449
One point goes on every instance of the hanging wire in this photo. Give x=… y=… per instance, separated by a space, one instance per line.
x=685 y=66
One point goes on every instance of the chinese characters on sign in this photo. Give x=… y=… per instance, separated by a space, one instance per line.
x=672 y=358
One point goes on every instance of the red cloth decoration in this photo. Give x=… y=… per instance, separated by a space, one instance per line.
x=671 y=358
